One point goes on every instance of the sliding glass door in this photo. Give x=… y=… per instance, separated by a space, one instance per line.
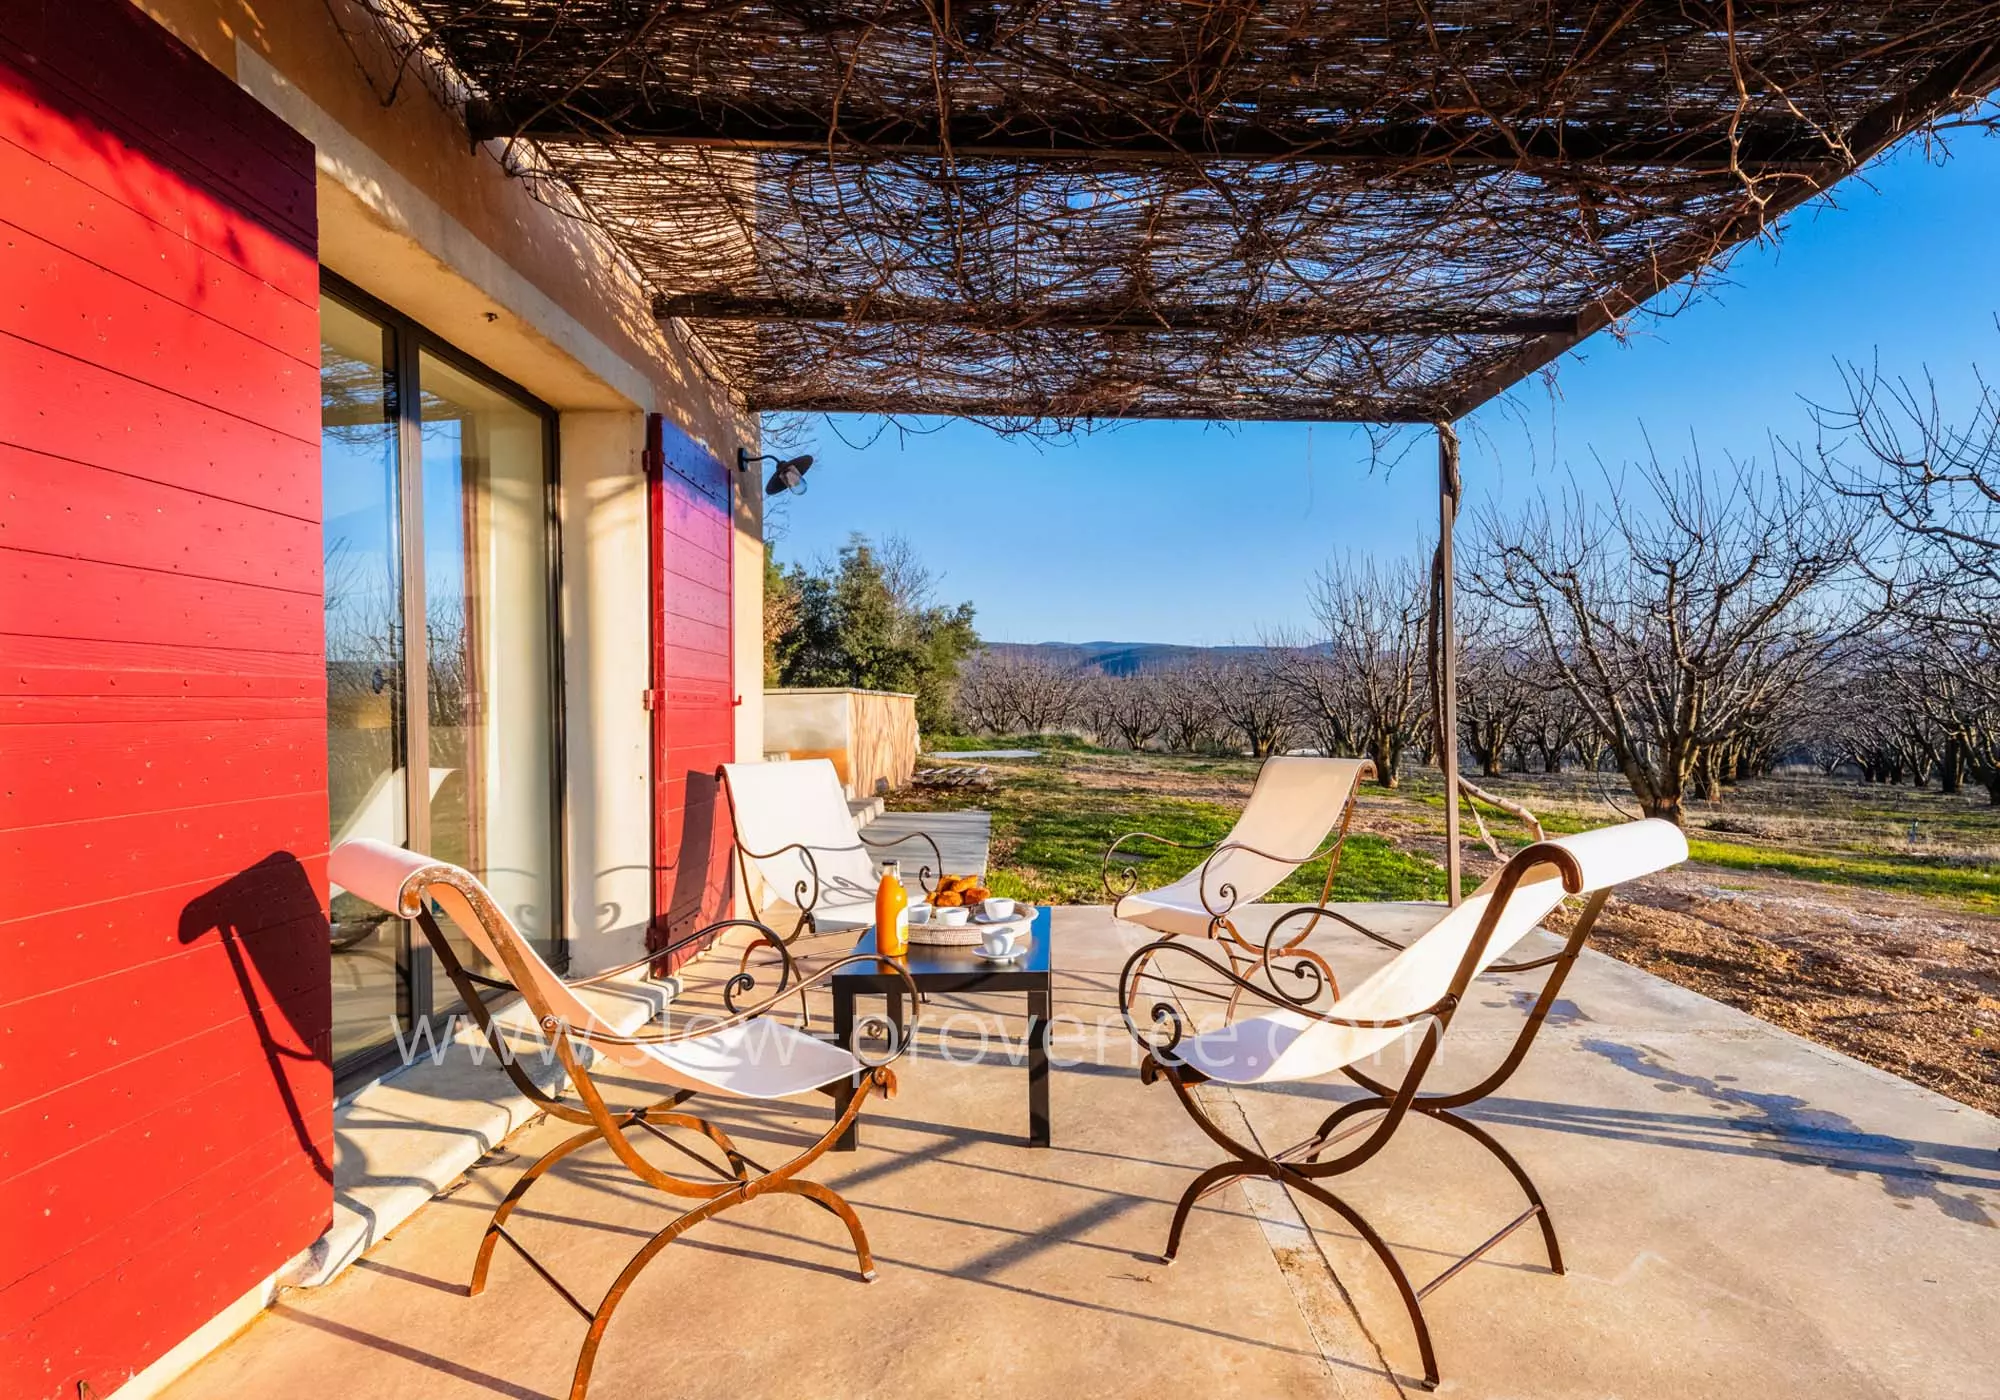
x=440 y=548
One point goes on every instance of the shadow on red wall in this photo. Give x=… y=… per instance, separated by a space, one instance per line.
x=274 y=929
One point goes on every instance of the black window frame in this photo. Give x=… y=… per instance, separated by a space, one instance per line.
x=414 y=961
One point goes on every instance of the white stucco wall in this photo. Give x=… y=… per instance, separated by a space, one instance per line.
x=605 y=672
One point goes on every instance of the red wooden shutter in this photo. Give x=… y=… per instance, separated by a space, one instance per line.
x=165 y=1095
x=693 y=696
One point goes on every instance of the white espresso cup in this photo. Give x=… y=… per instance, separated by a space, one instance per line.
x=997 y=942
x=997 y=909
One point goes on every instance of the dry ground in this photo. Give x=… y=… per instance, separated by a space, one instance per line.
x=1812 y=903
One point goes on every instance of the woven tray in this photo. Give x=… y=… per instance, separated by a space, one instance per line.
x=968 y=935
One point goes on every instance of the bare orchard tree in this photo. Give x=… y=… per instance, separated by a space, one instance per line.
x=1316 y=689
x=1189 y=722
x=1320 y=702
x=1933 y=481
x=1373 y=618
x=1246 y=693
x=1555 y=726
x=1128 y=710
x=1496 y=684
x=1948 y=691
x=1007 y=693
x=1677 y=612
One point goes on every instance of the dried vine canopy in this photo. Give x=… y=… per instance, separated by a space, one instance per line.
x=1089 y=208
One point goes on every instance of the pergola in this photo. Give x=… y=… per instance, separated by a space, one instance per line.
x=1052 y=211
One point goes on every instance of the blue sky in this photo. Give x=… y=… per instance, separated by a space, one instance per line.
x=1207 y=534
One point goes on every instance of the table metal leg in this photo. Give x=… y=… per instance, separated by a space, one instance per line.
x=1040 y=1012
x=843 y=1089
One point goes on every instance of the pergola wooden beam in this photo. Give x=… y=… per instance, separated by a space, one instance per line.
x=1077 y=408
x=1285 y=320
x=1758 y=147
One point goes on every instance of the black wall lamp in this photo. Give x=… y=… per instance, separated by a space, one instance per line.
x=788 y=475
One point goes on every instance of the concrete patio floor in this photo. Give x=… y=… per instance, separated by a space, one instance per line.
x=1742 y=1213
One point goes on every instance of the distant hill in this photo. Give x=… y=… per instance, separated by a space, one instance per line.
x=1114 y=658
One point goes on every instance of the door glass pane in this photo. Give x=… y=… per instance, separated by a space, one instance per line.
x=364 y=657
x=486 y=584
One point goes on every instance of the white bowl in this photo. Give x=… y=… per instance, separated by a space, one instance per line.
x=920 y=914
x=997 y=909
x=952 y=918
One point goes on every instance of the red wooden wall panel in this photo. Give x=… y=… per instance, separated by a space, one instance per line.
x=694 y=700
x=165 y=1013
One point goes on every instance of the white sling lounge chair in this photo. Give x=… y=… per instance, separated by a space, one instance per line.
x=1296 y=804
x=794 y=832
x=1413 y=995
x=743 y=1054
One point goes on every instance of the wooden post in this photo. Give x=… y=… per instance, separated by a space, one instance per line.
x=1447 y=717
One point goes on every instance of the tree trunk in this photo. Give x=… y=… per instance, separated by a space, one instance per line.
x=1666 y=806
x=1951 y=767
x=1706 y=788
x=1383 y=752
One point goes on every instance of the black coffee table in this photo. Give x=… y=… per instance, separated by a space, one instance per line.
x=936 y=969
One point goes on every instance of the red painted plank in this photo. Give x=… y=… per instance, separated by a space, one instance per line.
x=46 y=868
x=55 y=1040
x=154 y=1079
x=698 y=566
x=678 y=664
x=89 y=666
x=684 y=633
x=44 y=596
x=695 y=602
x=54 y=1208
x=46 y=952
x=159 y=575
x=56 y=206
x=111 y=709
x=69 y=772
x=692 y=467
x=89 y=1313
x=69 y=408
x=694 y=721
x=65 y=303
x=688 y=515
x=53 y=506
x=167 y=106
x=112 y=166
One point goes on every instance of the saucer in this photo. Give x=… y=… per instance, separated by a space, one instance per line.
x=1019 y=951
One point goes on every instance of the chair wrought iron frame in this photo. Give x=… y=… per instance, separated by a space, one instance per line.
x=1242 y=953
x=806 y=892
x=743 y=1179
x=1304 y=1165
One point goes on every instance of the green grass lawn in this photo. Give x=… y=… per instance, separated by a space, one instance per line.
x=1049 y=839
x=1976 y=886
x=1054 y=815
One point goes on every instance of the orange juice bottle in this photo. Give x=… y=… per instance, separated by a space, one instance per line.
x=892 y=913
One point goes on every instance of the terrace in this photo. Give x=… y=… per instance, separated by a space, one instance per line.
x=1082 y=213
x=1034 y=217
x=1738 y=1209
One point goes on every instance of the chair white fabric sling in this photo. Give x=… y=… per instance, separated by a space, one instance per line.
x=1414 y=995
x=1296 y=803
x=795 y=834
x=741 y=1054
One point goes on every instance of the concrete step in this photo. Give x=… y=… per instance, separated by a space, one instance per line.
x=405 y=1138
